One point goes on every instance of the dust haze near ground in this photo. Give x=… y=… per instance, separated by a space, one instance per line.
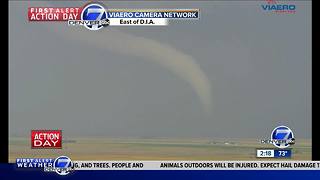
x=101 y=148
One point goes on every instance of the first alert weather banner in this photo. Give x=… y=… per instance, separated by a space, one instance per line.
x=95 y=16
x=63 y=165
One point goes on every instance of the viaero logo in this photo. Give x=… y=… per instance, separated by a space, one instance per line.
x=93 y=17
x=283 y=7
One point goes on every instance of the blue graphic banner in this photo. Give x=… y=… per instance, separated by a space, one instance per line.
x=9 y=171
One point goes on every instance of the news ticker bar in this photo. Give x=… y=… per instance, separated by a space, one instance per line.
x=196 y=165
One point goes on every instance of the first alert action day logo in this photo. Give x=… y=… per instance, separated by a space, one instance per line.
x=46 y=139
x=94 y=16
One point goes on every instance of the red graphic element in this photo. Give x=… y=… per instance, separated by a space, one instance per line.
x=54 y=13
x=271 y=1
x=46 y=139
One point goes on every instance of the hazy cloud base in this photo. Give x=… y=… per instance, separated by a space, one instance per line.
x=258 y=66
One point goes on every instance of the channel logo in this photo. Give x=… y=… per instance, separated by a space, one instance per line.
x=94 y=17
x=46 y=139
x=62 y=165
x=281 y=137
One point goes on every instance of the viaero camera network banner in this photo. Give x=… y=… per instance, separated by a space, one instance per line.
x=95 y=16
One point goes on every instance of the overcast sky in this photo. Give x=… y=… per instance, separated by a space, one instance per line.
x=258 y=65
